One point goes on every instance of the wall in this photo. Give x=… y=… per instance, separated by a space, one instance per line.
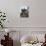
x=37 y=13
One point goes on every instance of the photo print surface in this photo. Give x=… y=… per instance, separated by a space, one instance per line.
x=24 y=12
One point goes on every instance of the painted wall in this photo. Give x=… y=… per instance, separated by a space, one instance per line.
x=37 y=13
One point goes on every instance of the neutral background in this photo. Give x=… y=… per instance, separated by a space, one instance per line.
x=37 y=13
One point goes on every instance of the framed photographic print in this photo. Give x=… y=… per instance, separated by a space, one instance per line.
x=24 y=12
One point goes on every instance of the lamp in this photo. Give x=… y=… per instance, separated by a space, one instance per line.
x=7 y=31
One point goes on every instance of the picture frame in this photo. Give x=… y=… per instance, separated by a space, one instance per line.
x=24 y=12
